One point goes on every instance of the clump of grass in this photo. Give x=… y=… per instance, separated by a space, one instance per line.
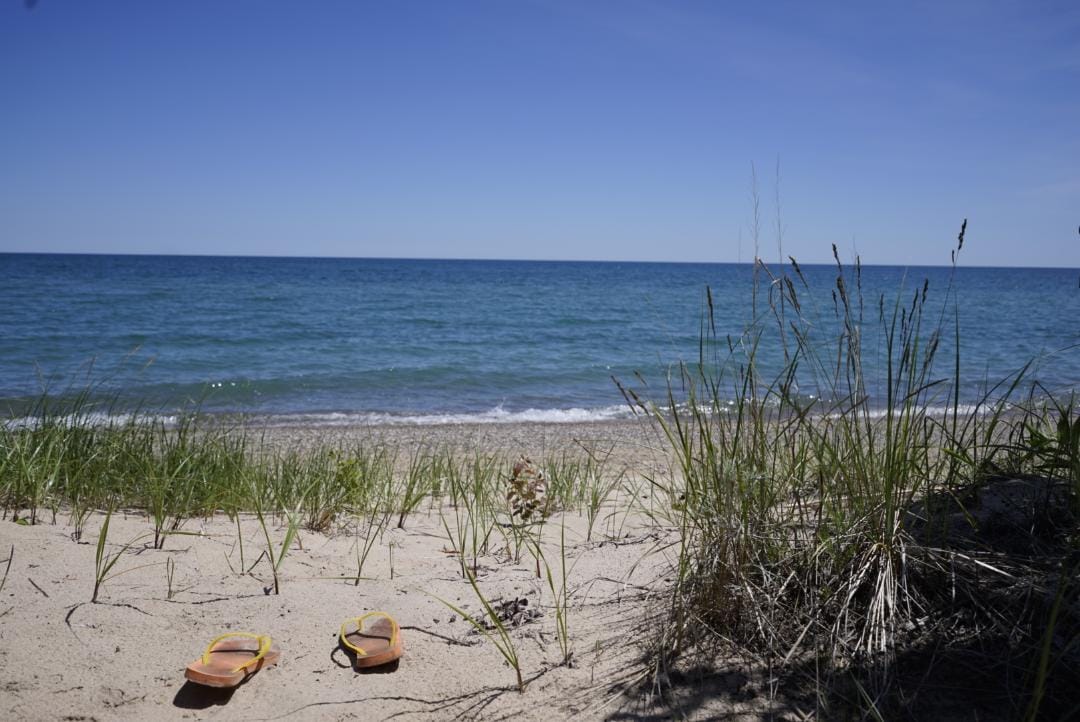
x=275 y=553
x=469 y=485
x=33 y=462
x=171 y=467
x=583 y=481
x=105 y=561
x=374 y=526
x=327 y=477
x=564 y=471
x=277 y=558
x=597 y=484
x=560 y=595
x=808 y=487
x=426 y=475
x=416 y=484
x=1051 y=444
x=458 y=536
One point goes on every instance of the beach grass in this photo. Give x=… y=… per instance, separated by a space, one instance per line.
x=560 y=596
x=828 y=517
x=105 y=561
x=81 y=454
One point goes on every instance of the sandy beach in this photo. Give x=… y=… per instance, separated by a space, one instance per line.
x=62 y=657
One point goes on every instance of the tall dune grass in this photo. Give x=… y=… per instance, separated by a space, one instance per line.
x=817 y=521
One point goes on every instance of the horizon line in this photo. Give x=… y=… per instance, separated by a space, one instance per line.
x=512 y=260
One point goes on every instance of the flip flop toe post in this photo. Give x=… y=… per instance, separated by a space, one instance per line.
x=232 y=658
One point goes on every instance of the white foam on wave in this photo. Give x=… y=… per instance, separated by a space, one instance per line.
x=963 y=410
x=92 y=419
x=497 y=415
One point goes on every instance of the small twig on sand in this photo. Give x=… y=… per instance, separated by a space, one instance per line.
x=213 y=600
x=67 y=621
x=129 y=606
x=37 y=587
x=626 y=541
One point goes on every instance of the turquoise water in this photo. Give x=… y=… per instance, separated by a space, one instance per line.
x=346 y=340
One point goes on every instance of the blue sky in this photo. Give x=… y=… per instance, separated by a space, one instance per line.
x=541 y=129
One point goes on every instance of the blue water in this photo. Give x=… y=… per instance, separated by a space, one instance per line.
x=344 y=340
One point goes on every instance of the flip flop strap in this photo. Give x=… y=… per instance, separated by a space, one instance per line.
x=264 y=647
x=359 y=621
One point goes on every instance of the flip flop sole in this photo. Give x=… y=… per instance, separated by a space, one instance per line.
x=227 y=655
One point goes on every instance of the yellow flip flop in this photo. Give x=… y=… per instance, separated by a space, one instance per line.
x=232 y=658
x=377 y=644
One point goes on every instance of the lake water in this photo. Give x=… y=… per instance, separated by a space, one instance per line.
x=427 y=341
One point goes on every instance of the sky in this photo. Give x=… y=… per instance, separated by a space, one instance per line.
x=543 y=129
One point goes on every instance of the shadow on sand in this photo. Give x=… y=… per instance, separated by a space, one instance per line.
x=199 y=696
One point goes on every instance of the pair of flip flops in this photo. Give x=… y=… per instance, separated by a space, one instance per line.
x=233 y=657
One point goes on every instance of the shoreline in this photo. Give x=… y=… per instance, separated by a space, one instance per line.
x=531 y=437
